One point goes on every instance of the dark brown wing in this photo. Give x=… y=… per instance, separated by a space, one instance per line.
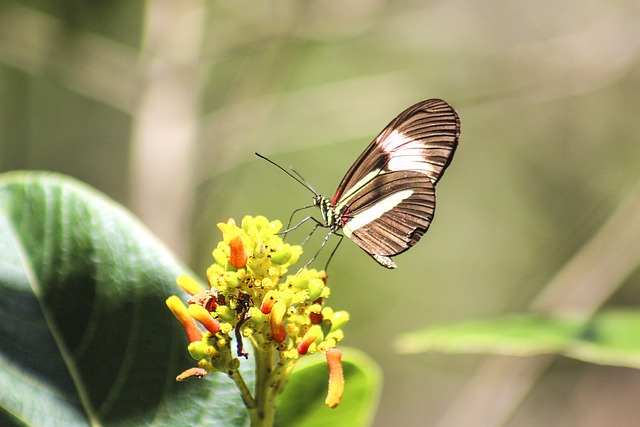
x=422 y=138
x=390 y=214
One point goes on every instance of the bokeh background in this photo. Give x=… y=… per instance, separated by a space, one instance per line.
x=161 y=105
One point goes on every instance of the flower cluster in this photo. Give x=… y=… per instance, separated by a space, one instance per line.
x=249 y=297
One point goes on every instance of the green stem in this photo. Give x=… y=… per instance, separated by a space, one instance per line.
x=247 y=399
x=263 y=414
x=282 y=372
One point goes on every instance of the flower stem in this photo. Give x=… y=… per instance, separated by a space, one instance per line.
x=263 y=414
x=245 y=393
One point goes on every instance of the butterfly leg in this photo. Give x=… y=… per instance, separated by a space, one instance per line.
x=324 y=242
x=313 y=230
x=333 y=251
x=288 y=229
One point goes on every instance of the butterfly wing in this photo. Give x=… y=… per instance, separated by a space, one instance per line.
x=390 y=213
x=422 y=138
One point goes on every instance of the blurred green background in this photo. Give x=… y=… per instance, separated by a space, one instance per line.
x=162 y=104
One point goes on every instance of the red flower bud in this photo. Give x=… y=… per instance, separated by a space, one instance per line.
x=267 y=302
x=309 y=338
x=316 y=318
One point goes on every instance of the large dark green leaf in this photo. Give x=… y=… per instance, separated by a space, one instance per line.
x=85 y=336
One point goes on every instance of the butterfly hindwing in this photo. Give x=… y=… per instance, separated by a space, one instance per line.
x=390 y=213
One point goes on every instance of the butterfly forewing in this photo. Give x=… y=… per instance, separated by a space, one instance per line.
x=422 y=138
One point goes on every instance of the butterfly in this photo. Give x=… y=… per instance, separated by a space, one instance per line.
x=386 y=201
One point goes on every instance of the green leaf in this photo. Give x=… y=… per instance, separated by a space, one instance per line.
x=85 y=335
x=609 y=338
x=520 y=335
x=302 y=402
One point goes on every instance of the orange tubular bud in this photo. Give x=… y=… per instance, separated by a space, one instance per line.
x=278 y=332
x=204 y=317
x=180 y=311
x=268 y=301
x=309 y=338
x=336 y=378
x=238 y=257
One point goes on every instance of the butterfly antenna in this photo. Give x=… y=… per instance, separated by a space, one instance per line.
x=306 y=183
x=297 y=176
